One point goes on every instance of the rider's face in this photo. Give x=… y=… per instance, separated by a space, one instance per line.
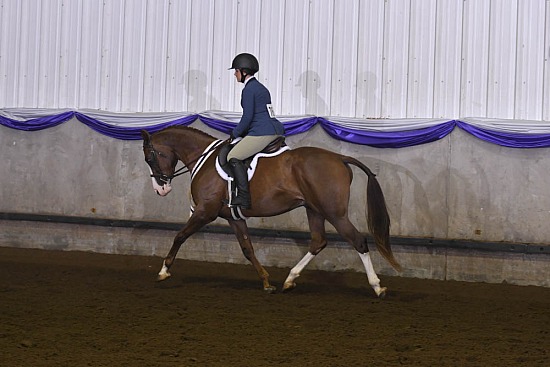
x=238 y=75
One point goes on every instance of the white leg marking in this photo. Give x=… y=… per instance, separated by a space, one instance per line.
x=374 y=281
x=163 y=274
x=296 y=270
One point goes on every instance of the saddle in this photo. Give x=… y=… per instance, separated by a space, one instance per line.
x=273 y=147
x=276 y=147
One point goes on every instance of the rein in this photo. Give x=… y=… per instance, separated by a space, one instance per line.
x=182 y=170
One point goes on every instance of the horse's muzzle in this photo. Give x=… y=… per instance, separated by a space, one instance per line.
x=161 y=190
x=165 y=190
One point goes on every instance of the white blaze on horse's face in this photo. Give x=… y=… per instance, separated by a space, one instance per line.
x=161 y=190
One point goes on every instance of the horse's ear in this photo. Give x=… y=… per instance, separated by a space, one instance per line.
x=146 y=137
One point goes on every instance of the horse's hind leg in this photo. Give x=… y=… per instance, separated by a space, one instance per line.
x=318 y=243
x=359 y=242
x=241 y=232
x=374 y=281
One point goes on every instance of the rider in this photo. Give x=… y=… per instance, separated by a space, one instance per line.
x=258 y=125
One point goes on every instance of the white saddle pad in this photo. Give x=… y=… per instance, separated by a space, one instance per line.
x=253 y=164
x=235 y=212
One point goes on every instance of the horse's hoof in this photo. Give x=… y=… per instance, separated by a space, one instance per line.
x=381 y=293
x=163 y=276
x=163 y=273
x=287 y=287
x=270 y=290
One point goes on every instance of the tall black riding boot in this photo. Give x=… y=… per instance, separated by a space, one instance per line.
x=240 y=176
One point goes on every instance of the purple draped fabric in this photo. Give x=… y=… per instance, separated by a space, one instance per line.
x=129 y=132
x=379 y=139
x=512 y=140
x=39 y=123
x=397 y=139
x=220 y=125
x=291 y=127
x=300 y=126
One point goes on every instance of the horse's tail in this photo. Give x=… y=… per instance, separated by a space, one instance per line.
x=378 y=219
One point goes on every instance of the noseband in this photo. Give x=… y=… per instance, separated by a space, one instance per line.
x=154 y=164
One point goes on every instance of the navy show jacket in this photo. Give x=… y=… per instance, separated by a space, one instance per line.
x=256 y=121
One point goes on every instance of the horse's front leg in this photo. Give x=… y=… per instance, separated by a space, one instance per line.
x=241 y=232
x=196 y=222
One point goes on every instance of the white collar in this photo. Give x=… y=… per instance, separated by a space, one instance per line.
x=249 y=79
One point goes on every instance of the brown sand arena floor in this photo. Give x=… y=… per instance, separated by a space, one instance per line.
x=84 y=309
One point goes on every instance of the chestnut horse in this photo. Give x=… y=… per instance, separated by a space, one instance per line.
x=314 y=178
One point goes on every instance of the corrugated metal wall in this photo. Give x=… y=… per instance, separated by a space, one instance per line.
x=371 y=58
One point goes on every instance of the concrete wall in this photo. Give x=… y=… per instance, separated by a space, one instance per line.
x=458 y=188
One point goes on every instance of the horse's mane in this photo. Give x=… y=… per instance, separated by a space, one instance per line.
x=169 y=131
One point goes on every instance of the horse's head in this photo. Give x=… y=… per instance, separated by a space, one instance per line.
x=162 y=163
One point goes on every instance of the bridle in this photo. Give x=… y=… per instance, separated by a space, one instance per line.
x=155 y=166
x=154 y=163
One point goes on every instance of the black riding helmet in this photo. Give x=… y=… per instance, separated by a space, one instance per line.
x=246 y=63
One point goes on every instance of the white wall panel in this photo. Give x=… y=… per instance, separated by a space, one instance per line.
x=358 y=58
x=448 y=59
x=90 y=55
x=475 y=58
x=10 y=34
x=292 y=98
x=369 y=59
x=48 y=74
x=3 y=50
x=69 y=56
x=200 y=57
x=28 y=47
x=396 y=56
x=224 y=43
x=156 y=42
x=546 y=72
x=502 y=58
x=111 y=61
x=344 y=59
x=420 y=85
x=179 y=49
x=247 y=37
x=320 y=50
x=133 y=56
x=271 y=52
x=530 y=60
